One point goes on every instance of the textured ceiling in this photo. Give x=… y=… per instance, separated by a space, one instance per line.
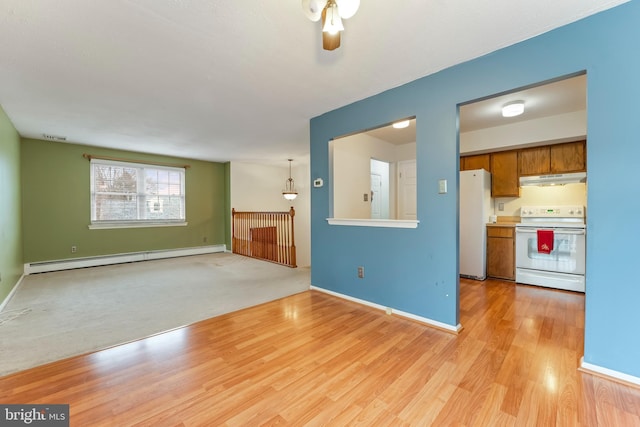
x=231 y=80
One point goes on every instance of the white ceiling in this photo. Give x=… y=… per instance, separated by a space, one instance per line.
x=232 y=80
x=550 y=99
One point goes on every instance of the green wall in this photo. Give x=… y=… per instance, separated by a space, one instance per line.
x=10 y=237
x=227 y=201
x=57 y=211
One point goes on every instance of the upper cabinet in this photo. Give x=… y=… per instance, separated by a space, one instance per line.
x=534 y=161
x=507 y=167
x=478 y=161
x=570 y=157
x=504 y=174
x=559 y=158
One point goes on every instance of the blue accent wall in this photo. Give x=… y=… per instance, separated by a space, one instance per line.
x=416 y=270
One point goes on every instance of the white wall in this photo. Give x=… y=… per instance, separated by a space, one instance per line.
x=258 y=187
x=569 y=194
x=558 y=128
x=351 y=169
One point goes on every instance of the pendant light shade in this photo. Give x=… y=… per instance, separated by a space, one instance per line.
x=289 y=191
x=331 y=13
x=333 y=22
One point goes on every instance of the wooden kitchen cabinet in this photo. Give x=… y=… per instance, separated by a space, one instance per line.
x=569 y=157
x=478 y=161
x=559 y=158
x=534 y=161
x=501 y=252
x=504 y=174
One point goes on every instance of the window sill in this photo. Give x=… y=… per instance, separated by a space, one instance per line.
x=112 y=225
x=388 y=223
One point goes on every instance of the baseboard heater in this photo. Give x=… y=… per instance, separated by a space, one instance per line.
x=68 y=264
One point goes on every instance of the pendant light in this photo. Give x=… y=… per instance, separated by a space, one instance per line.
x=333 y=22
x=289 y=191
x=331 y=12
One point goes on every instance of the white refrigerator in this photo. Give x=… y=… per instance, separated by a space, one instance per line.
x=475 y=209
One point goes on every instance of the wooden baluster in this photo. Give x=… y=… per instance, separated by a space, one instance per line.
x=287 y=239
x=264 y=235
x=281 y=253
x=293 y=245
x=233 y=231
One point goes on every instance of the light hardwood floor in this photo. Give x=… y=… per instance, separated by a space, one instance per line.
x=313 y=359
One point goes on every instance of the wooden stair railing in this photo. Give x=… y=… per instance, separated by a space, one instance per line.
x=264 y=235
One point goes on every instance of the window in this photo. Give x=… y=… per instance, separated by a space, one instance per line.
x=133 y=195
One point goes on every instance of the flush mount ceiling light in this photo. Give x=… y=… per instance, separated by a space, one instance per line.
x=289 y=191
x=512 y=109
x=401 y=125
x=332 y=12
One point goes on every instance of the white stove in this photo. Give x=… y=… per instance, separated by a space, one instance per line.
x=560 y=263
x=552 y=216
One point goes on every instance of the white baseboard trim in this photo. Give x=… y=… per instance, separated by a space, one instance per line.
x=67 y=264
x=430 y=322
x=609 y=374
x=13 y=291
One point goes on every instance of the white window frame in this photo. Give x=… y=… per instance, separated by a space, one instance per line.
x=140 y=196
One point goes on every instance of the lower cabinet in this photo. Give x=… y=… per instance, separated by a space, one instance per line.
x=501 y=252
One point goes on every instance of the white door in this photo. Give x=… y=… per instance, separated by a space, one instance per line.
x=379 y=196
x=376 y=186
x=407 y=190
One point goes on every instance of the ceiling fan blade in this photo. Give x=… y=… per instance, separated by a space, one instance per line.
x=313 y=8
x=329 y=41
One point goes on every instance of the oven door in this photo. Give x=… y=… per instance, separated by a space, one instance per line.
x=567 y=256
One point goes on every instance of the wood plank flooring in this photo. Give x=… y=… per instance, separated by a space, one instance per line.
x=313 y=359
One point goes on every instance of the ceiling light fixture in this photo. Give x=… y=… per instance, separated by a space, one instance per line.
x=332 y=22
x=512 y=109
x=401 y=125
x=332 y=12
x=289 y=191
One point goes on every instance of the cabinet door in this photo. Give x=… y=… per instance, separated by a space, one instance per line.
x=569 y=157
x=501 y=258
x=479 y=161
x=504 y=174
x=534 y=161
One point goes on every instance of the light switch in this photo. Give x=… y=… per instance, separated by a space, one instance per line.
x=442 y=186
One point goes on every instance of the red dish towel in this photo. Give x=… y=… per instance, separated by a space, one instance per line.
x=545 y=241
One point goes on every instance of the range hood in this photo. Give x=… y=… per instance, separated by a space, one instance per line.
x=555 y=179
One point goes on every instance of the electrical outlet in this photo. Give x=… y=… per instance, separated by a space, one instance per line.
x=361 y=272
x=204 y=239
x=500 y=206
x=74 y=249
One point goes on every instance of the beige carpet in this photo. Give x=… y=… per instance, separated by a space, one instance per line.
x=61 y=314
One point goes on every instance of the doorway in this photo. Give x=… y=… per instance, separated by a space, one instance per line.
x=379 y=189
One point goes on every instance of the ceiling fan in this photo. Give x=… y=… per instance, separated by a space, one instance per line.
x=332 y=12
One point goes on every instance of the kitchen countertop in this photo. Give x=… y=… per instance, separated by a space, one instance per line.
x=502 y=224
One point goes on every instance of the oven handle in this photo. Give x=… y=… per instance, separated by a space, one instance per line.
x=557 y=231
